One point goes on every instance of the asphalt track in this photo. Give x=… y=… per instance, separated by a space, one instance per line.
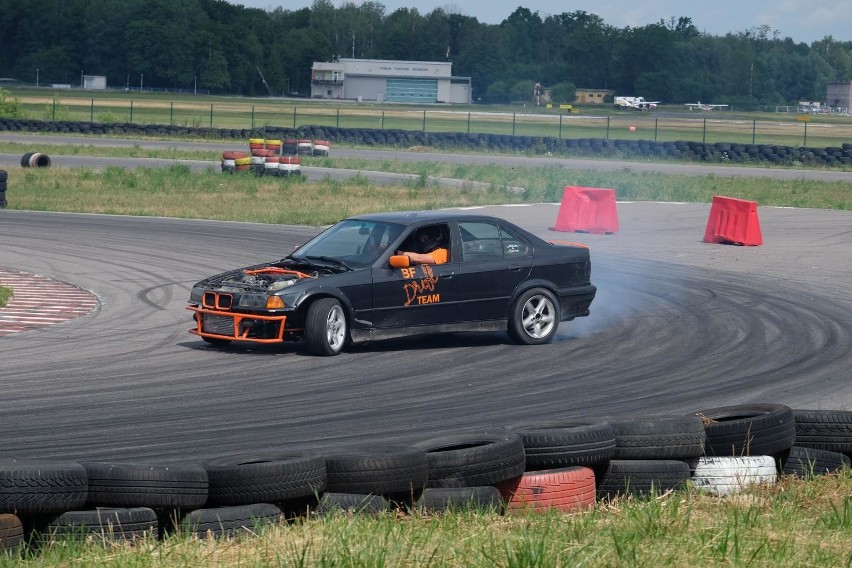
x=678 y=325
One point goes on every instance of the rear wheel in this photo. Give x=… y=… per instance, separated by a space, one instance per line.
x=325 y=327
x=534 y=317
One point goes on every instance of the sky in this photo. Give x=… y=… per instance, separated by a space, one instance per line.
x=802 y=20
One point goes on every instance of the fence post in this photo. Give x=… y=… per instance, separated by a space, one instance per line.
x=171 y=112
x=337 y=124
x=805 y=143
x=54 y=109
x=560 y=126
x=131 y=112
x=294 y=117
x=753 y=131
x=252 y=117
x=92 y=112
x=468 y=123
x=656 y=127
x=704 y=134
x=382 y=121
x=607 y=127
x=513 y=124
x=211 y=115
x=424 y=121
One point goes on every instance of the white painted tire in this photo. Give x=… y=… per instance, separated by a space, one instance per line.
x=730 y=475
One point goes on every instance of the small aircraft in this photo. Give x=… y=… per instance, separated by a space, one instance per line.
x=705 y=107
x=635 y=103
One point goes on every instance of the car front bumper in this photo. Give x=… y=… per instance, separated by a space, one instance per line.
x=236 y=326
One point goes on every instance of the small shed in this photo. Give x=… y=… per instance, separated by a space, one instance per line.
x=94 y=82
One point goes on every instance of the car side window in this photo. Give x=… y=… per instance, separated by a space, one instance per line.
x=480 y=241
x=513 y=245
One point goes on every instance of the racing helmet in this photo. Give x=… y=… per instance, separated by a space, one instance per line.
x=434 y=238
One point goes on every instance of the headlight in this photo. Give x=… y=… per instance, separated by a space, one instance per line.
x=196 y=294
x=253 y=301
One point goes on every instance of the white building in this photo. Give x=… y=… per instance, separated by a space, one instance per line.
x=391 y=81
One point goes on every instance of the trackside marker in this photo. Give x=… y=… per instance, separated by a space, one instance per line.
x=39 y=301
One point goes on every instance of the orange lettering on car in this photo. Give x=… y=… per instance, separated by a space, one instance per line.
x=416 y=288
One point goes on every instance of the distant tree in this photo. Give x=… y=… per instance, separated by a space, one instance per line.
x=522 y=91
x=563 y=93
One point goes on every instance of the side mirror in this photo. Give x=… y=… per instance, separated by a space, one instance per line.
x=399 y=261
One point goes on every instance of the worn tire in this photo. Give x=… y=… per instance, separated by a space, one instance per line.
x=549 y=445
x=484 y=499
x=395 y=472
x=223 y=522
x=829 y=430
x=641 y=477
x=473 y=459
x=810 y=462
x=727 y=475
x=146 y=485
x=566 y=489
x=247 y=479
x=658 y=438
x=325 y=327
x=107 y=523
x=30 y=487
x=11 y=533
x=748 y=430
x=534 y=317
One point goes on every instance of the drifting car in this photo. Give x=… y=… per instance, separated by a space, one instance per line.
x=350 y=284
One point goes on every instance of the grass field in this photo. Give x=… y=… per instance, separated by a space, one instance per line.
x=590 y=121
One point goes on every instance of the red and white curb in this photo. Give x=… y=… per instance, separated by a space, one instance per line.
x=39 y=301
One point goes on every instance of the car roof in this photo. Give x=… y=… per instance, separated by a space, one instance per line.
x=416 y=217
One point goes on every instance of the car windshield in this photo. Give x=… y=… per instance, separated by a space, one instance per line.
x=349 y=244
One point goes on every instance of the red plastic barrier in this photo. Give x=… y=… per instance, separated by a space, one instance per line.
x=733 y=221
x=587 y=210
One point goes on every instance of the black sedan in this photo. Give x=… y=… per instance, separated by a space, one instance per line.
x=389 y=275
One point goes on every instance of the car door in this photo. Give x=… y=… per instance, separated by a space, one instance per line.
x=494 y=261
x=415 y=296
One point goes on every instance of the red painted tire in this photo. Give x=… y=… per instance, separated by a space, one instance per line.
x=567 y=489
x=233 y=155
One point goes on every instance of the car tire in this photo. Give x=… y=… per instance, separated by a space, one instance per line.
x=398 y=473
x=810 y=462
x=549 y=445
x=534 y=317
x=566 y=489
x=247 y=479
x=658 y=438
x=325 y=327
x=220 y=522
x=11 y=533
x=485 y=499
x=829 y=430
x=473 y=459
x=143 y=485
x=748 y=430
x=109 y=524
x=30 y=487
x=730 y=475
x=640 y=477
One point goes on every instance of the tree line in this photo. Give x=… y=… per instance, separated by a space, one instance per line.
x=218 y=47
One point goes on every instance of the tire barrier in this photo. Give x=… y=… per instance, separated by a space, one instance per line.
x=721 y=450
x=4 y=176
x=289 y=165
x=321 y=147
x=587 y=210
x=733 y=221
x=710 y=152
x=35 y=160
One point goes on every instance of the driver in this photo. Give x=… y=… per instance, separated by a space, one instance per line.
x=431 y=247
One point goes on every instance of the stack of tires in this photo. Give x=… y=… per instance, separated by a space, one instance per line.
x=321 y=148
x=304 y=147
x=231 y=160
x=3 y=181
x=289 y=166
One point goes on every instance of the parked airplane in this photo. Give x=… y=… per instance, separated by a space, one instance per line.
x=704 y=107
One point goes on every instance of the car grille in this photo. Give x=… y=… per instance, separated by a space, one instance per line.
x=220 y=325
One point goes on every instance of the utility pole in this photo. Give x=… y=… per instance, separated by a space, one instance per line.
x=264 y=80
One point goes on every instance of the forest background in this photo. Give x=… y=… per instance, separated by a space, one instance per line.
x=214 y=47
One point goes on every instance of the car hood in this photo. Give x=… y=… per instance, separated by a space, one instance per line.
x=267 y=278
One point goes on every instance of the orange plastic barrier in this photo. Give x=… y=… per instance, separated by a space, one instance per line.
x=733 y=221
x=587 y=210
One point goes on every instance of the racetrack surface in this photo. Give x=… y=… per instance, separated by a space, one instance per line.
x=678 y=325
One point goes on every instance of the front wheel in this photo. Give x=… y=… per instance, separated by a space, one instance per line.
x=534 y=317
x=325 y=327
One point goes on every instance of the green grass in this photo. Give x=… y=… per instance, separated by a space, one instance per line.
x=792 y=524
x=5 y=296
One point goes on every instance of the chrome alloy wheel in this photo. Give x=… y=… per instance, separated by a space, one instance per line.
x=538 y=316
